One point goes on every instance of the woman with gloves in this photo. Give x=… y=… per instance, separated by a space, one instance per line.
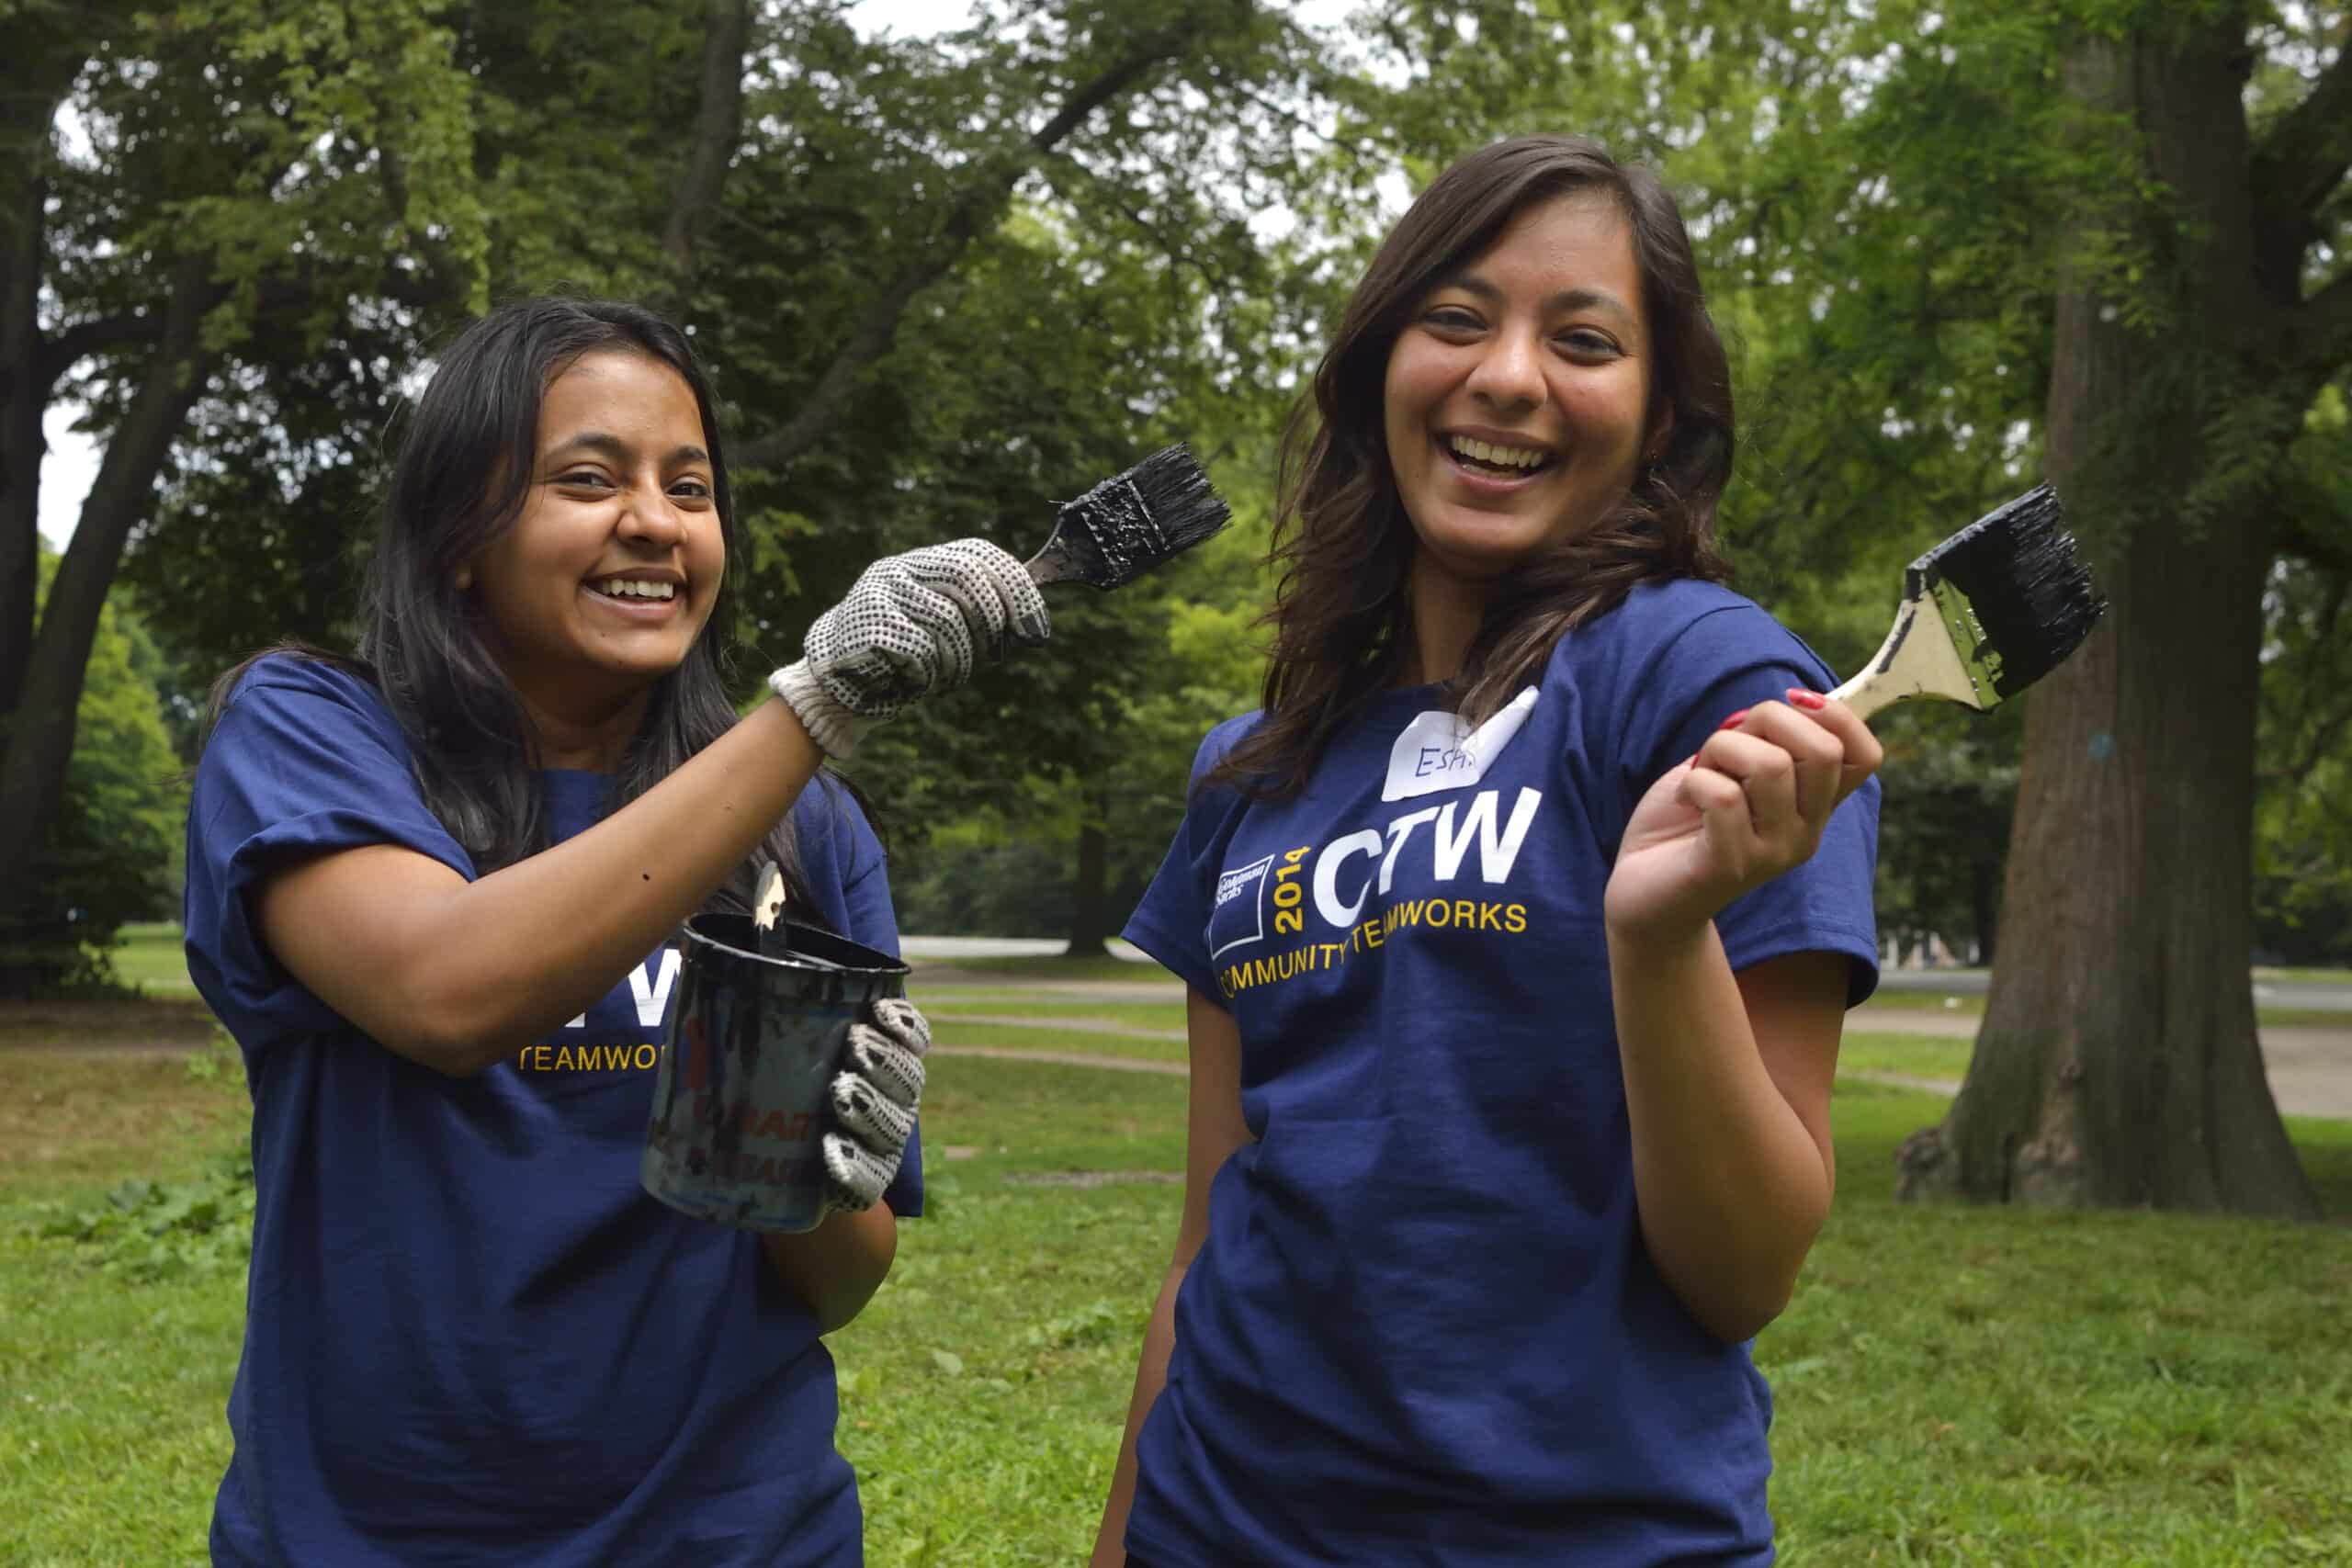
x=432 y=891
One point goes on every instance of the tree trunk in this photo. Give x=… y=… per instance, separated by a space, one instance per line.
x=47 y=47
x=24 y=394
x=2118 y=1062
x=41 y=728
x=1088 y=919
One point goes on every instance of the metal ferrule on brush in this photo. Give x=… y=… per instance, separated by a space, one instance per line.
x=1934 y=649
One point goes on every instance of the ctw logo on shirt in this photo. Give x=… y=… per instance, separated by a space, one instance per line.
x=1327 y=891
x=650 y=991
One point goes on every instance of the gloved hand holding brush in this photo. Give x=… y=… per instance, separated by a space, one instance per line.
x=913 y=624
x=909 y=625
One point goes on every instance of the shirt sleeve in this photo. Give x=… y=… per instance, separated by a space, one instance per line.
x=304 y=761
x=1727 y=659
x=873 y=921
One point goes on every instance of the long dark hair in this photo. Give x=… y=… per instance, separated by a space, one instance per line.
x=465 y=458
x=1341 y=616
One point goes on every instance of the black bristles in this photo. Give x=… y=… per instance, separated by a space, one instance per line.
x=1125 y=526
x=2030 y=596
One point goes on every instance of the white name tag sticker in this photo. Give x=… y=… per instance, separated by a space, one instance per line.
x=1435 y=752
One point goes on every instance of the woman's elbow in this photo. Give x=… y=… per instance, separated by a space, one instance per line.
x=451 y=1035
x=1739 y=1300
x=1736 y=1317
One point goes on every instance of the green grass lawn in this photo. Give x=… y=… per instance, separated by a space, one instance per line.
x=1863 y=1051
x=149 y=957
x=1954 y=1386
x=2314 y=977
x=1008 y=1000
x=1913 y=1056
x=1066 y=1041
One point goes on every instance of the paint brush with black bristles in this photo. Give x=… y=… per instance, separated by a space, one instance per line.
x=1125 y=525
x=1985 y=613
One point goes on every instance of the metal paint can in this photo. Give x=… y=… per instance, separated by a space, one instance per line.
x=754 y=1043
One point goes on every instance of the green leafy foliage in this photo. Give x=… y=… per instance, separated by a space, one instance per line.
x=145 y=1231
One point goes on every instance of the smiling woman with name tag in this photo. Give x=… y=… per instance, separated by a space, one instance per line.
x=1520 y=926
x=432 y=890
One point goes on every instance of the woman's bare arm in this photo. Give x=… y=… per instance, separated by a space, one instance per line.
x=1214 y=1129
x=458 y=974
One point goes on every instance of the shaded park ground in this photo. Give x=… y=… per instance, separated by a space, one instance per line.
x=1952 y=1385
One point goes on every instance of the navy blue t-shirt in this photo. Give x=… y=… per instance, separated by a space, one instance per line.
x=1424 y=1327
x=470 y=1336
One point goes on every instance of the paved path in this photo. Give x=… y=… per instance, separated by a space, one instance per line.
x=2310 y=1069
x=2270 y=990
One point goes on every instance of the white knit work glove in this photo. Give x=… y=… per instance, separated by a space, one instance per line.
x=910 y=625
x=874 y=1096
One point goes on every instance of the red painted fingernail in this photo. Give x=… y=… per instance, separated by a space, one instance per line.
x=1805 y=699
x=1733 y=722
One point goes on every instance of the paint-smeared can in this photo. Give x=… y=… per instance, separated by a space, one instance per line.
x=739 y=1100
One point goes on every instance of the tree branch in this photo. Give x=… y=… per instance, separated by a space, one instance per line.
x=2304 y=155
x=1112 y=194
x=78 y=342
x=978 y=208
x=2316 y=335
x=718 y=125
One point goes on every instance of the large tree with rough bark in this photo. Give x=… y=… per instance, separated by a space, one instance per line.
x=2200 y=309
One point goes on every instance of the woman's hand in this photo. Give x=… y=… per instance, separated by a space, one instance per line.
x=1751 y=804
x=874 y=1098
x=911 y=626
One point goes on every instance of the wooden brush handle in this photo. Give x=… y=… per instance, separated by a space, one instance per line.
x=1918 y=659
x=1866 y=694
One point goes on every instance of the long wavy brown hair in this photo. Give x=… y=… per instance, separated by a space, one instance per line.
x=1341 y=617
